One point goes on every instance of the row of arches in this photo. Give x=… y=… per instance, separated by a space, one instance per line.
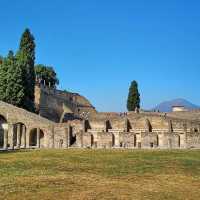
x=147 y=125
x=18 y=136
x=133 y=141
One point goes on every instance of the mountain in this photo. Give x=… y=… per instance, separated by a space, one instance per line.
x=167 y=105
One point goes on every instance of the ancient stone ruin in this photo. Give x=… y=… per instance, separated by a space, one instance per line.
x=74 y=122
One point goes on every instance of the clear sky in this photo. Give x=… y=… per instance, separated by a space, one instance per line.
x=98 y=47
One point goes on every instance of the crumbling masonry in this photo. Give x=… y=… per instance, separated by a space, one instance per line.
x=22 y=129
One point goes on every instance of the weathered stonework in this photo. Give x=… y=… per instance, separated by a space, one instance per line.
x=49 y=103
x=22 y=129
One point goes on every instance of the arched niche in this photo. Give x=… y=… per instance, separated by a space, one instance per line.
x=35 y=140
x=19 y=134
x=3 y=128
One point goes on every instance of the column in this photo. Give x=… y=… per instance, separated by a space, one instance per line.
x=5 y=144
x=18 y=135
x=24 y=134
x=11 y=134
x=38 y=137
x=66 y=137
x=27 y=138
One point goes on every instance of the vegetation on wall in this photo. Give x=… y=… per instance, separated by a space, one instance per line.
x=133 y=100
x=47 y=74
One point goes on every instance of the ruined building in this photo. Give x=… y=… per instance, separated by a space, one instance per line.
x=65 y=120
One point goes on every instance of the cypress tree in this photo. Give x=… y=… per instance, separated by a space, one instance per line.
x=26 y=59
x=3 y=78
x=133 y=101
x=15 y=84
x=11 y=81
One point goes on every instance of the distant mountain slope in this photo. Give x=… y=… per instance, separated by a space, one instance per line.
x=167 y=105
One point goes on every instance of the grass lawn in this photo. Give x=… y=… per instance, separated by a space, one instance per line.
x=100 y=174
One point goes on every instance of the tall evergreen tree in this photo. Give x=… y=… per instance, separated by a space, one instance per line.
x=3 y=79
x=133 y=101
x=15 y=83
x=11 y=81
x=25 y=59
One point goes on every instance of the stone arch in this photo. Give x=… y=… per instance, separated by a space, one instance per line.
x=33 y=137
x=3 y=130
x=19 y=135
x=36 y=138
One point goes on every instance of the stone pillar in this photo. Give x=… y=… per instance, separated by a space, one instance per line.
x=81 y=134
x=27 y=138
x=183 y=140
x=11 y=133
x=66 y=137
x=160 y=138
x=24 y=134
x=117 y=136
x=18 y=135
x=5 y=144
x=38 y=137
x=84 y=126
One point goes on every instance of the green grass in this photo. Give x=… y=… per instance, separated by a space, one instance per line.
x=100 y=174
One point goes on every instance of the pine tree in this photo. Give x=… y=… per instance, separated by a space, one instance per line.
x=26 y=59
x=133 y=101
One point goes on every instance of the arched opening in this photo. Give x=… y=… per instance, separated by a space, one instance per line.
x=36 y=140
x=19 y=135
x=3 y=129
x=33 y=138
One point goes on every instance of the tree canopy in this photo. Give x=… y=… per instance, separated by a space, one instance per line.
x=18 y=73
x=11 y=81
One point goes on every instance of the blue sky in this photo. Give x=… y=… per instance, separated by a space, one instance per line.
x=98 y=47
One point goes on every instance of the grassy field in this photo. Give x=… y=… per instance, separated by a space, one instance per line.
x=100 y=174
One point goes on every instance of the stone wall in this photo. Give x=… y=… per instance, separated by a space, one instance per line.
x=22 y=129
x=49 y=103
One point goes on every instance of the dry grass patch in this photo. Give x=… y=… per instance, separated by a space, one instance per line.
x=100 y=174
